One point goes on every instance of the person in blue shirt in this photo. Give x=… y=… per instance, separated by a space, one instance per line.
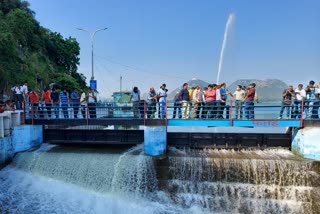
x=312 y=101
x=75 y=98
x=177 y=106
x=224 y=94
x=64 y=99
x=185 y=101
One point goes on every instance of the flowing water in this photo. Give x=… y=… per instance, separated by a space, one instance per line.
x=57 y=179
x=224 y=44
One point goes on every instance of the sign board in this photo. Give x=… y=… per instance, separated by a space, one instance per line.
x=93 y=84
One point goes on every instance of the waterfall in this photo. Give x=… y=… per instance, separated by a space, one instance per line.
x=99 y=180
x=224 y=44
x=241 y=181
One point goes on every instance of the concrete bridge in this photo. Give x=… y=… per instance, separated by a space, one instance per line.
x=156 y=134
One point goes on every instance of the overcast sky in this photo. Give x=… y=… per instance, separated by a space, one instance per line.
x=151 y=42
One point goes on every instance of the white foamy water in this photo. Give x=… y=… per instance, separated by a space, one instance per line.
x=57 y=179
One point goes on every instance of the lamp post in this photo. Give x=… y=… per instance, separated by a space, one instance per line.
x=92 y=34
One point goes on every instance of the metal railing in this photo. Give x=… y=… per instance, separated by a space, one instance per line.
x=230 y=110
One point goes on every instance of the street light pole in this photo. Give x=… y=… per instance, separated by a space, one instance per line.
x=92 y=34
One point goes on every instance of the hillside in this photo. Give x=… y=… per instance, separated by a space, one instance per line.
x=269 y=89
x=33 y=53
x=191 y=83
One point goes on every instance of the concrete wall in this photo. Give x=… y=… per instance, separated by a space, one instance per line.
x=15 y=137
x=155 y=140
x=6 y=150
x=25 y=137
x=306 y=142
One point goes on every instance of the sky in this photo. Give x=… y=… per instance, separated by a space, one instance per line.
x=151 y=42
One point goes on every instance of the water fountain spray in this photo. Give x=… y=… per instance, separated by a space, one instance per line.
x=224 y=43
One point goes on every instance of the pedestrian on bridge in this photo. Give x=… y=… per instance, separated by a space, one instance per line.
x=55 y=102
x=92 y=99
x=75 y=98
x=64 y=98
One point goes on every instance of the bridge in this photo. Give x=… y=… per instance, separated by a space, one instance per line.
x=121 y=123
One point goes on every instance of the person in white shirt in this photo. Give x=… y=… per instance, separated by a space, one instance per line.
x=92 y=99
x=24 y=90
x=83 y=103
x=300 y=95
x=162 y=94
x=18 y=98
x=238 y=95
x=196 y=99
x=135 y=98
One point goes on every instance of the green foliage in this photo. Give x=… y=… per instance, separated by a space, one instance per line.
x=66 y=81
x=30 y=52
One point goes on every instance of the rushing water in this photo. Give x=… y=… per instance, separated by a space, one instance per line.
x=100 y=180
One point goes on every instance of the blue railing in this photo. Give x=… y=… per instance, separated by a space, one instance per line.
x=231 y=113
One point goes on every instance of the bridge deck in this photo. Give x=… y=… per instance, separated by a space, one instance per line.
x=169 y=122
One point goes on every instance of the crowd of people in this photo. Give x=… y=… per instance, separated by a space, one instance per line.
x=51 y=101
x=209 y=102
x=294 y=100
x=195 y=102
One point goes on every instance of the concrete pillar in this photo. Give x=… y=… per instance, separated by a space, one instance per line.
x=16 y=118
x=155 y=140
x=6 y=125
x=306 y=142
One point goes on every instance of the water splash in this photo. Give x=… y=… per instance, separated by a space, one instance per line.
x=224 y=43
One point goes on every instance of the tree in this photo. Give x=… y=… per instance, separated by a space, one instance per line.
x=30 y=52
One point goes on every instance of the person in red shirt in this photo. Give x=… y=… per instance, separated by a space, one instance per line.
x=34 y=100
x=210 y=96
x=46 y=97
x=249 y=99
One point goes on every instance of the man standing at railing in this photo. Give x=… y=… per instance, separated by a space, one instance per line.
x=18 y=98
x=64 y=98
x=249 y=106
x=238 y=95
x=151 y=103
x=55 y=102
x=312 y=98
x=176 y=106
x=162 y=94
x=197 y=99
x=24 y=90
x=312 y=103
x=75 y=98
x=34 y=100
x=92 y=99
x=287 y=96
x=300 y=95
x=185 y=101
x=210 y=97
x=46 y=97
x=83 y=103
x=135 y=98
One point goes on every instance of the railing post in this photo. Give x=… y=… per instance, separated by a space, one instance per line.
x=32 y=113
x=230 y=113
x=302 y=110
x=24 y=112
x=87 y=113
x=145 y=112
x=166 y=113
